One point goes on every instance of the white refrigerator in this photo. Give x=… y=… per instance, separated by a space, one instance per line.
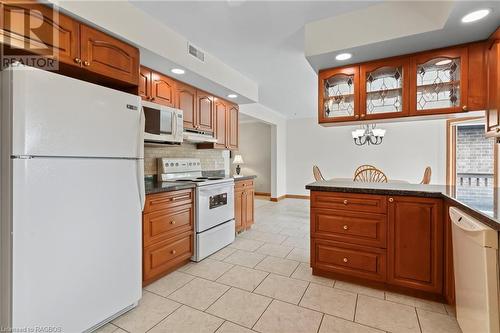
x=72 y=193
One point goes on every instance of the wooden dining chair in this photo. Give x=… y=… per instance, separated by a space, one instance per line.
x=370 y=175
x=427 y=176
x=317 y=173
x=363 y=167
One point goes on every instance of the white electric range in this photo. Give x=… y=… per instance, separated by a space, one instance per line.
x=214 y=204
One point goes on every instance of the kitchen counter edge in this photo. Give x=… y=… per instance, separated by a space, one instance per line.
x=418 y=190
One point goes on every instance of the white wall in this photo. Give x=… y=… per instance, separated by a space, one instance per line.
x=255 y=148
x=407 y=149
x=278 y=144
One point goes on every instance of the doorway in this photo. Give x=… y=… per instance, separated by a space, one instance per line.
x=472 y=161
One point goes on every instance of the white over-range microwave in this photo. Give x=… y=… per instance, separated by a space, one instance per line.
x=163 y=124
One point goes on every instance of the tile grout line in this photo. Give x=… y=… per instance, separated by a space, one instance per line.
x=321 y=322
x=418 y=320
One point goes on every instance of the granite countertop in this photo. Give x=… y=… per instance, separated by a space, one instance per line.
x=243 y=177
x=480 y=202
x=157 y=187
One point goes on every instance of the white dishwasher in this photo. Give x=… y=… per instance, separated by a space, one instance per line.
x=475 y=260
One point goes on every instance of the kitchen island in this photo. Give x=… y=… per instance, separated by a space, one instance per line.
x=391 y=235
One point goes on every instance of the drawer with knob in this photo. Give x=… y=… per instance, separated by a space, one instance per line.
x=349 y=201
x=166 y=223
x=367 y=229
x=162 y=256
x=164 y=200
x=349 y=260
x=243 y=184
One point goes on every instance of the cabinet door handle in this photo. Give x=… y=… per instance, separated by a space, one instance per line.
x=78 y=61
x=172 y=222
x=391 y=199
x=346 y=227
x=173 y=252
x=345 y=202
x=363 y=115
x=345 y=260
x=356 y=116
x=464 y=107
x=86 y=63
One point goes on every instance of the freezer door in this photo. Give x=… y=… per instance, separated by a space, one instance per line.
x=76 y=241
x=54 y=115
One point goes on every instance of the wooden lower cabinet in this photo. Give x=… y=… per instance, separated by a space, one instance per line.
x=415 y=248
x=168 y=229
x=394 y=242
x=244 y=196
x=348 y=259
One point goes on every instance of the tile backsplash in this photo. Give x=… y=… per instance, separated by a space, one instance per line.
x=211 y=159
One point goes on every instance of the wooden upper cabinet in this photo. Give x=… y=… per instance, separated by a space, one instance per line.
x=493 y=86
x=384 y=88
x=439 y=81
x=415 y=243
x=145 y=75
x=477 y=85
x=105 y=55
x=36 y=28
x=205 y=112
x=186 y=101
x=221 y=113
x=162 y=89
x=338 y=94
x=233 y=127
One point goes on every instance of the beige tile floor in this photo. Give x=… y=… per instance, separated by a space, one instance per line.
x=262 y=283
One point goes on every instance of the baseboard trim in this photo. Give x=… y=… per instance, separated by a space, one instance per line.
x=297 y=196
x=290 y=196
x=265 y=194
x=278 y=198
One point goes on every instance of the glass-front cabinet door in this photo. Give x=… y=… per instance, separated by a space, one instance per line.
x=384 y=89
x=338 y=94
x=439 y=82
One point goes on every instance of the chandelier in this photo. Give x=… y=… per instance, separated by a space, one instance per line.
x=368 y=134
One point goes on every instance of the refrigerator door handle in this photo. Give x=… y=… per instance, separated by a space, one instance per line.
x=140 y=182
x=140 y=164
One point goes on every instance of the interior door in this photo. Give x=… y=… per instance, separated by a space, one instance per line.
x=76 y=236
x=108 y=56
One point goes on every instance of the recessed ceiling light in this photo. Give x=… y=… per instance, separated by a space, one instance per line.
x=343 y=56
x=475 y=16
x=443 y=62
x=178 y=71
x=232 y=96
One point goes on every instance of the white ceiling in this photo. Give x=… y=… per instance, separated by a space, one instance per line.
x=264 y=40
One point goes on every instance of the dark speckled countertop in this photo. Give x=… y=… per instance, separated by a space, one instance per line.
x=157 y=187
x=483 y=206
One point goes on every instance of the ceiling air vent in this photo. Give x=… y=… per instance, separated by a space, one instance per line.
x=195 y=52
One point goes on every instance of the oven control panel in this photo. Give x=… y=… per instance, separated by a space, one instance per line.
x=218 y=200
